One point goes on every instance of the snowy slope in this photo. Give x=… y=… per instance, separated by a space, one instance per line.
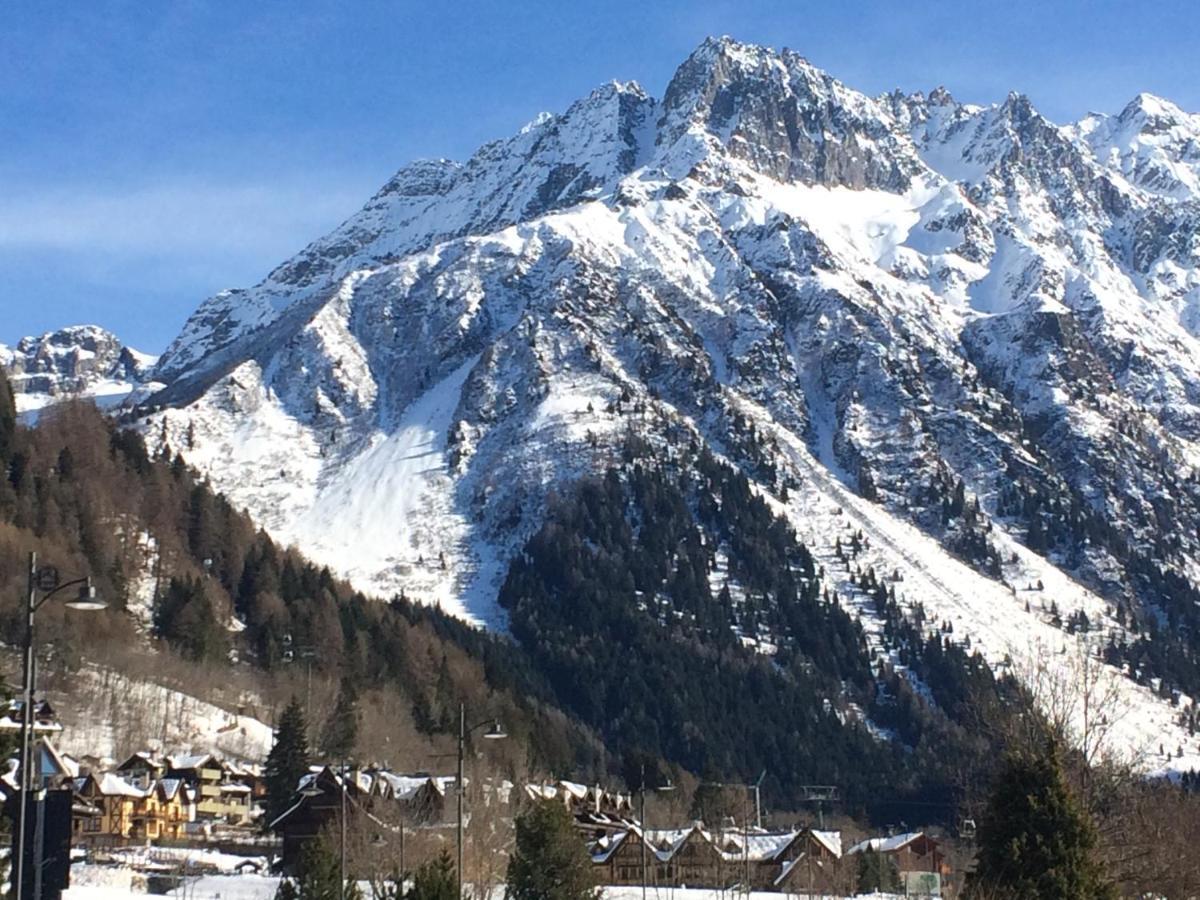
x=914 y=298
x=109 y=714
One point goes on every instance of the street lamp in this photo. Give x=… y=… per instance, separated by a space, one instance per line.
x=662 y=789
x=43 y=580
x=494 y=733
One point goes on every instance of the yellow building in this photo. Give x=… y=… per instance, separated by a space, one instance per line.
x=217 y=797
x=127 y=812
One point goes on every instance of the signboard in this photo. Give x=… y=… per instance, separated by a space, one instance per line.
x=922 y=884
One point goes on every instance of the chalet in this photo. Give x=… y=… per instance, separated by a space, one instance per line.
x=696 y=857
x=117 y=802
x=689 y=859
x=916 y=856
x=319 y=799
x=251 y=776
x=112 y=810
x=812 y=863
x=617 y=858
x=169 y=809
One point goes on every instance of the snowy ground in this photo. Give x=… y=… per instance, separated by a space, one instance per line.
x=103 y=883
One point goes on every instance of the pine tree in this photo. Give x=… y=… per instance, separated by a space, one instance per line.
x=434 y=880
x=1035 y=842
x=549 y=862
x=876 y=873
x=318 y=877
x=287 y=762
x=341 y=730
x=8 y=420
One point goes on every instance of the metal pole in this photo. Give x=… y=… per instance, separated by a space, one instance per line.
x=26 y=728
x=462 y=738
x=342 y=860
x=746 y=837
x=645 y=836
x=39 y=831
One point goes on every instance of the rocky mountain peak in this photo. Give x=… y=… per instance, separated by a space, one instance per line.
x=940 y=96
x=1154 y=114
x=80 y=360
x=1153 y=144
x=783 y=117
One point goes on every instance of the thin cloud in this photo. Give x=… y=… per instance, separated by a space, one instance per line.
x=171 y=218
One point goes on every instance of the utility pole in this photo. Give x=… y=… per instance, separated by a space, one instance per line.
x=342 y=862
x=644 y=837
x=462 y=739
x=746 y=839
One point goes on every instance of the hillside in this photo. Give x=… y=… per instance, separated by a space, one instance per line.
x=206 y=613
x=716 y=651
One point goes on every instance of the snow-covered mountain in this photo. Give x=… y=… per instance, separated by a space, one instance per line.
x=79 y=361
x=968 y=332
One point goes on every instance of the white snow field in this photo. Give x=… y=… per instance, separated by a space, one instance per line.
x=102 y=883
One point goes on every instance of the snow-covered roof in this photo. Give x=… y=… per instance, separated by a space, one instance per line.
x=112 y=785
x=404 y=787
x=11 y=721
x=886 y=844
x=756 y=846
x=192 y=761
x=665 y=842
x=831 y=839
x=576 y=790
x=141 y=758
x=607 y=846
x=541 y=791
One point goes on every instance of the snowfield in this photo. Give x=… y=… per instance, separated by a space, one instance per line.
x=97 y=883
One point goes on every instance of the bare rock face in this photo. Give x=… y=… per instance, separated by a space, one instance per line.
x=80 y=360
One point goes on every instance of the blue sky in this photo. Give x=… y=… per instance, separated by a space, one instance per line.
x=154 y=153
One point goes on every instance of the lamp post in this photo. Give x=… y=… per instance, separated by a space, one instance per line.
x=494 y=733
x=662 y=789
x=43 y=580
